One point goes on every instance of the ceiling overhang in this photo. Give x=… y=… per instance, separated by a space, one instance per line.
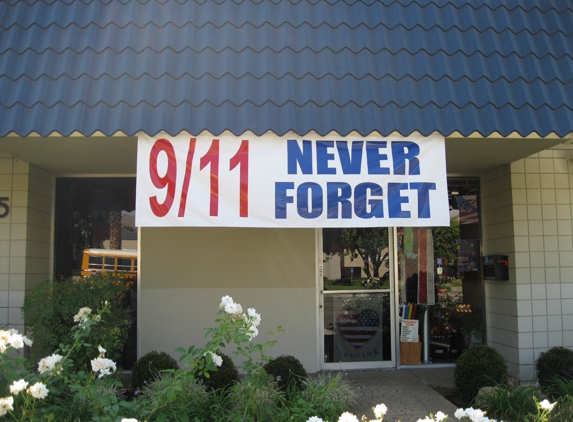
x=117 y=155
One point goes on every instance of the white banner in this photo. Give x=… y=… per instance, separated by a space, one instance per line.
x=272 y=181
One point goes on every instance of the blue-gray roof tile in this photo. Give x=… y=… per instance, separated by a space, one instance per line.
x=300 y=65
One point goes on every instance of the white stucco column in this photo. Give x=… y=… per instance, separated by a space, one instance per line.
x=527 y=215
x=25 y=235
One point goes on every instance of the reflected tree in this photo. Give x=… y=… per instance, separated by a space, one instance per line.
x=370 y=244
x=446 y=242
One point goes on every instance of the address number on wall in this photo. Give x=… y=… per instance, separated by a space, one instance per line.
x=4 y=207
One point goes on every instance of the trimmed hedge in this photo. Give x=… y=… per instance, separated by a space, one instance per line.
x=477 y=367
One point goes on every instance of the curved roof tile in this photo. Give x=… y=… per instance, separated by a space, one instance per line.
x=286 y=65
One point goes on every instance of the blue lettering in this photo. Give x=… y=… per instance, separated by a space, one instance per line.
x=402 y=151
x=296 y=156
x=323 y=157
x=362 y=203
x=351 y=164
x=423 y=197
x=302 y=195
x=374 y=157
x=338 y=193
x=282 y=199
x=395 y=200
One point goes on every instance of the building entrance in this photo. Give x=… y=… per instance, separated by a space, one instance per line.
x=357 y=298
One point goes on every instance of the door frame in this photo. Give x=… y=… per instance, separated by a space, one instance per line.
x=392 y=259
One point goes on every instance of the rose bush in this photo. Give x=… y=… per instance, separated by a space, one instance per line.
x=57 y=391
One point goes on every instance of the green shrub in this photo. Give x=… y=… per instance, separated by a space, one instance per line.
x=147 y=369
x=508 y=403
x=224 y=377
x=559 y=387
x=477 y=367
x=326 y=395
x=50 y=307
x=287 y=371
x=190 y=402
x=563 y=411
x=557 y=361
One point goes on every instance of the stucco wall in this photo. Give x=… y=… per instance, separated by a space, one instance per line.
x=526 y=211
x=184 y=272
x=25 y=234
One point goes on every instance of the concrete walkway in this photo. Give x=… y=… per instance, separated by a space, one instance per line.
x=407 y=393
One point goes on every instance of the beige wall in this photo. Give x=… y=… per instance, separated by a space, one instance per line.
x=25 y=235
x=527 y=214
x=184 y=272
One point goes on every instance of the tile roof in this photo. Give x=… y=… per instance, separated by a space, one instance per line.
x=278 y=65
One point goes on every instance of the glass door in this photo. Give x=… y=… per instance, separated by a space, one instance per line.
x=357 y=298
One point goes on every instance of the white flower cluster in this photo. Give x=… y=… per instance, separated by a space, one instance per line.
x=18 y=386
x=252 y=318
x=217 y=360
x=348 y=417
x=440 y=416
x=38 y=391
x=380 y=410
x=229 y=306
x=12 y=338
x=103 y=365
x=84 y=315
x=50 y=364
x=547 y=405
x=475 y=415
x=6 y=404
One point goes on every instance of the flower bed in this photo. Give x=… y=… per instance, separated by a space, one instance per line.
x=56 y=391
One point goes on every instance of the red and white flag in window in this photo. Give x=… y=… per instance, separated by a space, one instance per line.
x=467 y=206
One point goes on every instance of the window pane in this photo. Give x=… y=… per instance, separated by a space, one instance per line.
x=123 y=264
x=357 y=327
x=355 y=259
x=109 y=263
x=95 y=262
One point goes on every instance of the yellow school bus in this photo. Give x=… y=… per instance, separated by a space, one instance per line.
x=110 y=260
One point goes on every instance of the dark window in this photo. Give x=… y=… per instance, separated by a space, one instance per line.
x=124 y=264
x=95 y=262
x=109 y=264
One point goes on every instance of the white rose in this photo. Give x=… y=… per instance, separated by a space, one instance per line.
x=50 y=364
x=380 y=410
x=347 y=417
x=16 y=341
x=38 y=390
x=18 y=386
